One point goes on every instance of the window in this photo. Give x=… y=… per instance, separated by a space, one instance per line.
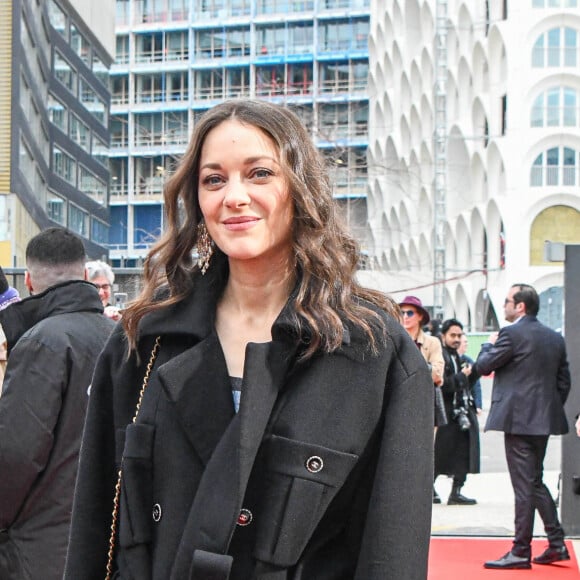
x=122 y=16
x=65 y=73
x=554 y=3
x=556 y=107
x=178 y=9
x=119 y=177
x=175 y=130
x=238 y=41
x=119 y=131
x=56 y=208
x=148 y=88
x=270 y=80
x=149 y=47
x=271 y=39
x=284 y=6
x=290 y=79
x=554 y=167
x=176 y=86
x=343 y=35
x=209 y=84
x=210 y=43
x=122 y=51
x=92 y=186
x=100 y=70
x=100 y=151
x=80 y=44
x=299 y=79
x=348 y=170
x=78 y=220
x=93 y=103
x=151 y=173
x=99 y=231
x=300 y=38
x=149 y=129
x=120 y=89
x=333 y=122
x=213 y=8
x=118 y=230
x=26 y=163
x=64 y=165
x=57 y=18
x=343 y=76
x=240 y=7
x=147 y=225
x=176 y=46
x=155 y=129
x=150 y=11
x=556 y=47
x=238 y=82
x=80 y=132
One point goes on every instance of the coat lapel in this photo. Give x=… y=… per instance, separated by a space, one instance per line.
x=197 y=383
x=265 y=371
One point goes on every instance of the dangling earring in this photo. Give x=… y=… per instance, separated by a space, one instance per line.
x=204 y=247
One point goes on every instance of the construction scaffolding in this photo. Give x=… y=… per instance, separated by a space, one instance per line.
x=440 y=158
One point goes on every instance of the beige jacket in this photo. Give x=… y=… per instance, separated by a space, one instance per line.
x=432 y=352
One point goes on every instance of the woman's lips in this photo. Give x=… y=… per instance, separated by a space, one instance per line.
x=240 y=223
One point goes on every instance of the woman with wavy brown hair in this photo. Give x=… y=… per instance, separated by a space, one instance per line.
x=259 y=414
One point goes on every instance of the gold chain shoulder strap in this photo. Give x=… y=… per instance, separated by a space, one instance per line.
x=119 y=475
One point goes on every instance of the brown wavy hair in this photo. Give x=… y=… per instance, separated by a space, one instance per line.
x=326 y=255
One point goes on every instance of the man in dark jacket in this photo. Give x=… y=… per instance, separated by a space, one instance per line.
x=531 y=384
x=54 y=338
x=457 y=443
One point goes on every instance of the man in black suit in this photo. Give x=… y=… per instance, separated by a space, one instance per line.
x=531 y=384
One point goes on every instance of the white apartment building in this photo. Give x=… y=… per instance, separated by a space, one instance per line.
x=508 y=159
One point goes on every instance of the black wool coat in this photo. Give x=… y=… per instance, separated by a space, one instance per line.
x=456 y=451
x=324 y=474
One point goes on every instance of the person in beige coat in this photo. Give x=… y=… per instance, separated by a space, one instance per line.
x=414 y=317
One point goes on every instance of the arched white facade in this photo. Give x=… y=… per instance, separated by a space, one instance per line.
x=513 y=144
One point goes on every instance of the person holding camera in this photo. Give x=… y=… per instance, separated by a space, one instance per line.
x=457 y=443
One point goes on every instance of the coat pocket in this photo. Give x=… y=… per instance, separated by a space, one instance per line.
x=301 y=479
x=137 y=486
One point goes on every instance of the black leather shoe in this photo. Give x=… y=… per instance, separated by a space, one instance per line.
x=509 y=561
x=552 y=555
x=459 y=499
x=436 y=498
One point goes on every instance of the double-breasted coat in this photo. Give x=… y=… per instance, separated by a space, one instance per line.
x=324 y=474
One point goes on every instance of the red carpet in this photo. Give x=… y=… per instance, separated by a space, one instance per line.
x=463 y=558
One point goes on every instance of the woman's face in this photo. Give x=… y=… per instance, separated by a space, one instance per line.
x=104 y=288
x=244 y=195
x=411 y=317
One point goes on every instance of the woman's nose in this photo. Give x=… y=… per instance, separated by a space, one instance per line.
x=236 y=194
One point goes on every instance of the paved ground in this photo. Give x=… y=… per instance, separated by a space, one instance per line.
x=494 y=513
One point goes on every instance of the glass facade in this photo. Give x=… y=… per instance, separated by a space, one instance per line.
x=78 y=110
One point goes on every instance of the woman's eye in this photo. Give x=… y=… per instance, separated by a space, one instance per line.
x=262 y=173
x=212 y=180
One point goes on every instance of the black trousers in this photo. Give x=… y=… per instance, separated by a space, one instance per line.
x=525 y=458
